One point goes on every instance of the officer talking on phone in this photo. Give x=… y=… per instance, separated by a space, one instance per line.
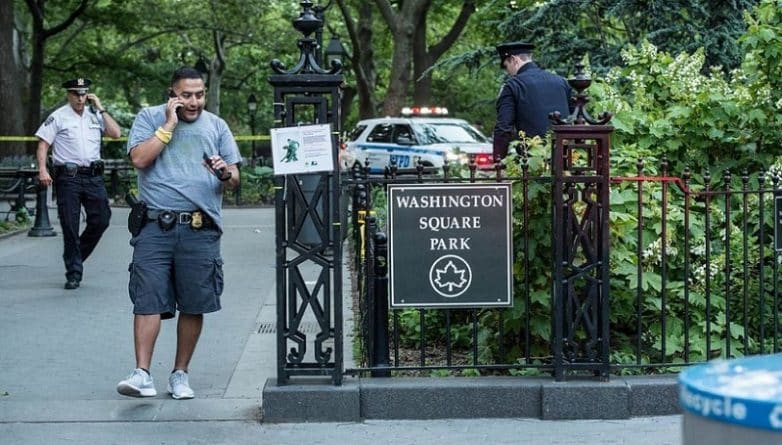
x=185 y=156
x=74 y=132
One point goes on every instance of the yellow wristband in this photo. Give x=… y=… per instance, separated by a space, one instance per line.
x=163 y=135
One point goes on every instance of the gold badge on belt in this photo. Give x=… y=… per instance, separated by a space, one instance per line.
x=197 y=221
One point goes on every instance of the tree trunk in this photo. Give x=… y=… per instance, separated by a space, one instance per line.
x=367 y=102
x=402 y=25
x=399 y=78
x=348 y=95
x=12 y=84
x=36 y=81
x=363 y=59
x=422 y=86
x=425 y=56
x=213 y=93
x=216 y=70
x=40 y=35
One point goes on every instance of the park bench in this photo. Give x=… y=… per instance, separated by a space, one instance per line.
x=18 y=185
x=119 y=171
x=17 y=189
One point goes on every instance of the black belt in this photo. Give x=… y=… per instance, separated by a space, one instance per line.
x=196 y=219
x=86 y=171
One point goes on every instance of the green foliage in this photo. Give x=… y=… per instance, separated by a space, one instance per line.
x=670 y=295
x=435 y=327
x=129 y=49
x=568 y=29
x=528 y=372
x=257 y=185
x=21 y=220
x=665 y=107
x=471 y=372
x=22 y=216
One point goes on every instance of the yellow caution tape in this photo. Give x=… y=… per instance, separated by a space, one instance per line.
x=18 y=138
x=35 y=139
x=257 y=137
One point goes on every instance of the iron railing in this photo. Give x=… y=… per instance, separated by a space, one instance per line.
x=694 y=276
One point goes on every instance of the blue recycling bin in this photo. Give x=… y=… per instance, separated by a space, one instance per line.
x=733 y=402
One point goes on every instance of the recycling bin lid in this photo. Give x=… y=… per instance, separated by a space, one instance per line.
x=745 y=391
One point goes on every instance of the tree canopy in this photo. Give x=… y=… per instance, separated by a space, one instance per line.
x=398 y=52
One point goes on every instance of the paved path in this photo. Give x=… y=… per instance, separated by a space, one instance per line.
x=62 y=353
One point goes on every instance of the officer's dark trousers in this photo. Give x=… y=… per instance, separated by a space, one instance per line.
x=73 y=192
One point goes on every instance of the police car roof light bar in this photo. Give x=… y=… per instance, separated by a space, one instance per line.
x=424 y=111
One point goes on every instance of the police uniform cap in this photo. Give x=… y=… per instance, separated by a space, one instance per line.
x=79 y=85
x=508 y=49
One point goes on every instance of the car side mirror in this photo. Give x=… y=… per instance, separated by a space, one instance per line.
x=404 y=140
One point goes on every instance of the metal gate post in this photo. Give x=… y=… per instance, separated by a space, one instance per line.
x=308 y=232
x=41 y=226
x=580 y=169
x=380 y=353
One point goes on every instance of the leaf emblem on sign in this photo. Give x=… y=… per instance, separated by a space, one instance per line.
x=450 y=276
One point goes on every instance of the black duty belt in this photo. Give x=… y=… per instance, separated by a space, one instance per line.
x=71 y=169
x=195 y=219
x=86 y=171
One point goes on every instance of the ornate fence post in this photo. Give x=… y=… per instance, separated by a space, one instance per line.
x=308 y=232
x=580 y=169
x=380 y=354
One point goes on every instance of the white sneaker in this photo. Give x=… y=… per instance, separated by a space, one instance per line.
x=138 y=384
x=179 y=386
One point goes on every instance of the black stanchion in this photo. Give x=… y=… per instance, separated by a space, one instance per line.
x=238 y=193
x=114 y=183
x=42 y=226
x=380 y=353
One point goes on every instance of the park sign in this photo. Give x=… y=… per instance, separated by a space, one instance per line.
x=450 y=245
x=302 y=149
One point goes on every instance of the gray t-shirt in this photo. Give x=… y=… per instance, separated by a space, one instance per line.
x=178 y=179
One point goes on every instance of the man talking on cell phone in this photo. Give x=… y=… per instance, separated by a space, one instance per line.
x=185 y=156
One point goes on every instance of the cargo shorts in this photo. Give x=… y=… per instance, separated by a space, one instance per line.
x=176 y=269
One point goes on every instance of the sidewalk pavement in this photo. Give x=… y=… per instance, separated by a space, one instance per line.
x=63 y=352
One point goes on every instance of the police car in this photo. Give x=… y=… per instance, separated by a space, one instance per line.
x=419 y=135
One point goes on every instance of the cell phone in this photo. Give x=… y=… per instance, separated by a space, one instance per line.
x=172 y=94
x=218 y=172
x=92 y=106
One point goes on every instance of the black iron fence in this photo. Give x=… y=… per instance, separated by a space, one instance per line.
x=694 y=276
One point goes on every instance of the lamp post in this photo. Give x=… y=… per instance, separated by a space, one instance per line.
x=320 y=15
x=334 y=50
x=252 y=106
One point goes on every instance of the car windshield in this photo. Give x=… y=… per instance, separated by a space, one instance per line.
x=445 y=132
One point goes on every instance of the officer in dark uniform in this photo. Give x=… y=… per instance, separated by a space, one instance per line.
x=526 y=98
x=74 y=132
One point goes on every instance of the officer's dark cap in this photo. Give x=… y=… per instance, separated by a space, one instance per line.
x=79 y=85
x=508 y=49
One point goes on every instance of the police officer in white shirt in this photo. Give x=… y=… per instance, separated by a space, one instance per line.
x=74 y=132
